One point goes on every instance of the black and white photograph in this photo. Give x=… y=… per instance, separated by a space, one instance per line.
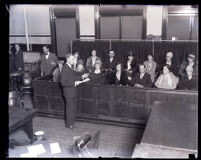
x=103 y=80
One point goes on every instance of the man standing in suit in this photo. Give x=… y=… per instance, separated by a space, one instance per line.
x=109 y=66
x=48 y=61
x=69 y=80
x=19 y=63
x=11 y=60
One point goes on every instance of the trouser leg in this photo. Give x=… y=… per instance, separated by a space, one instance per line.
x=75 y=109
x=71 y=107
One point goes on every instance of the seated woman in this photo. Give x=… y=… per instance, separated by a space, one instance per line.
x=119 y=77
x=167 y=79
x=80 y=67
x=190 y=61
x=150 y=65
x=188 y=82
x=96 y=77
x=130 y=66
x=76 y=59
x=57 y=72
x=142 y=79
x=91 y=61
x=171 y=62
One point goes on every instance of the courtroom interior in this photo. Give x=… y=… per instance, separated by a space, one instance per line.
x=89 y=81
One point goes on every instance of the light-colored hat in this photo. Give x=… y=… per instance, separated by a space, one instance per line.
x=170 y=54
x=189 y=68
x=191 y=56
x=97 y=62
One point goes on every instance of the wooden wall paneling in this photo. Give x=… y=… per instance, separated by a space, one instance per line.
x=113 y=104
x=121 y=97
x=103 y=100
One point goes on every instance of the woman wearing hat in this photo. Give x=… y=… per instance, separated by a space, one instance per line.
x=188 y=82
x=96 y=77
x=190 y=61
x=91 y=61
x=80 y=67
x=172 y=65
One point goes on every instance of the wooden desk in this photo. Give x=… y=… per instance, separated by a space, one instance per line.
x=118 y=105
x=172 y=125
x=21 y=117
x=171 y=131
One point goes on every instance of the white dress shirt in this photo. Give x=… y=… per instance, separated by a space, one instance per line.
x=47 y=55
x=128 y=65
x=141 y=75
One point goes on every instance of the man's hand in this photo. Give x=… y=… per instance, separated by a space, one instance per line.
x=85 y=75
x=77 y=83
x=129 y=78
x=41 y=74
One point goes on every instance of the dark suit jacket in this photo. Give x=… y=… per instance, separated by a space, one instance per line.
x=186 y=84
x=110 y=65
x=67 y=79
x=96 y=78
x=19 y=62
x=145 y=81
x=46 y=66
x=123 y=79
x=134 y=66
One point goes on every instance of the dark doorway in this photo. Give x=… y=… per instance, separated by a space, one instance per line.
x=65 y=32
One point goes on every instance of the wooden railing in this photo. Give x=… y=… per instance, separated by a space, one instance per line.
x=107 y=104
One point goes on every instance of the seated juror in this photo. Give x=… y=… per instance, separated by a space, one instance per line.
x=80 y=67
x=57 y=72
x=167 y=79
x=150 y=65
x=171 y=62
x=130 y=66
x=141 y=79
x=109 y=65
x=76 y=59
x=96 y=77
x=190 y=61
x=91 y=61
x=188 y=82
x=119 y=77
x=69 y=80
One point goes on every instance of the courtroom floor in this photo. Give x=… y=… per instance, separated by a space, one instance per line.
x=115 y=141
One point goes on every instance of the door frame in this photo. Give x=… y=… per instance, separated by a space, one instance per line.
x=53 y=27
